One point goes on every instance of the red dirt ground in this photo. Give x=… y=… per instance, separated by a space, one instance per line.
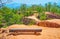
x=53 y=23
x=47 y=32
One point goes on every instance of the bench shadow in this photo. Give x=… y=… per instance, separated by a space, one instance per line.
x=25 y=34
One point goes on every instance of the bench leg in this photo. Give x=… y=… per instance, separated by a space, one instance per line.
x=35 y=32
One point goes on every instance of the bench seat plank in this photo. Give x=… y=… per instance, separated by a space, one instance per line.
x=25 y=30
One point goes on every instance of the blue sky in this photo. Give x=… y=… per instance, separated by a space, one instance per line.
x=16 y=3
x=34 y=1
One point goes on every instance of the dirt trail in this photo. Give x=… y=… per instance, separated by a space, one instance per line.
x=47 y=33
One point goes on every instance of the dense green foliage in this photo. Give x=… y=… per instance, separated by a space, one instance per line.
x=10 y=16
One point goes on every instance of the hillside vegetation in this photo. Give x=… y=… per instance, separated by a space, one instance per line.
x=10 y=16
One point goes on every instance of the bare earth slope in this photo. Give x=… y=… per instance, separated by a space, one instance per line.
x=47 y=33
x=52 y=15
x=53 y=23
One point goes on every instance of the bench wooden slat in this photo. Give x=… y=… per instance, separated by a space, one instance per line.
x=25 y=30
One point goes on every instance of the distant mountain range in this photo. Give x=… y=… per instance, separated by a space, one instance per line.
x=17 y=5
x=13 y=5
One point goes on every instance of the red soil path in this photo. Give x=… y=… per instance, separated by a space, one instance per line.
x=47 y=33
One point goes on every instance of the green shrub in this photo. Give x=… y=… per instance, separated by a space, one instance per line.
x=32 y=22
x=42 y=16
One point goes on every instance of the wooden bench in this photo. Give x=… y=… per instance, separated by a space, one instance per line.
x=25 y=30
